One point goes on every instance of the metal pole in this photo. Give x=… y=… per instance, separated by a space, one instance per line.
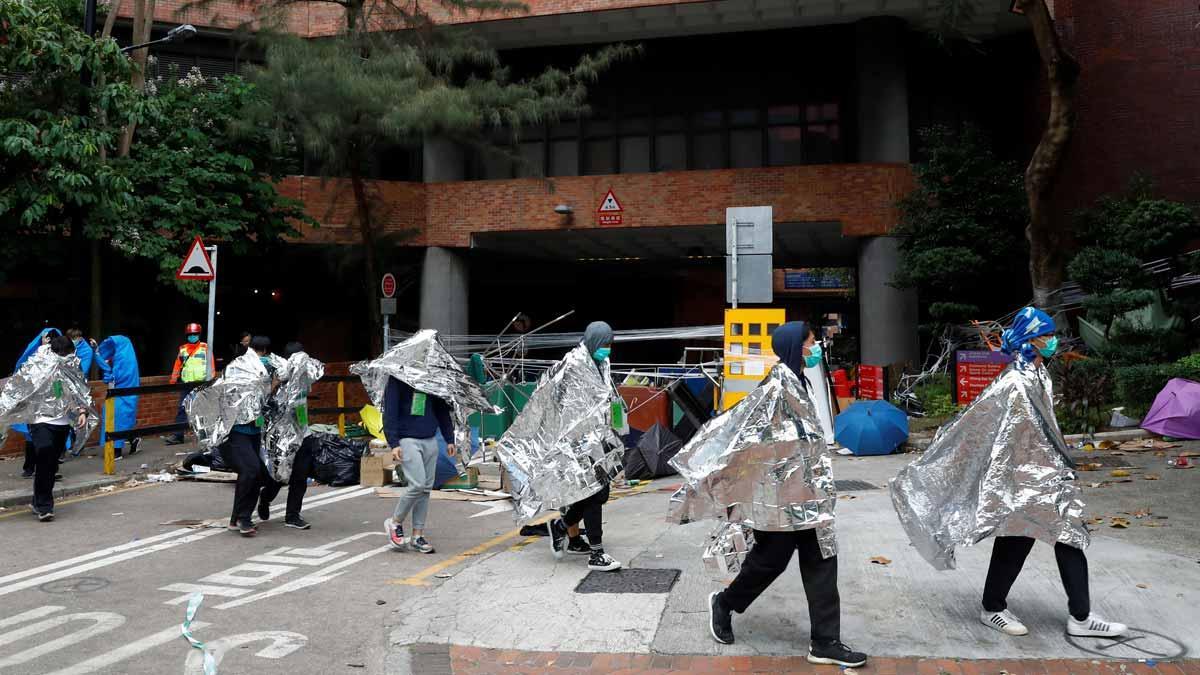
x=386 y=332
x=733 y=278
x=212 y=311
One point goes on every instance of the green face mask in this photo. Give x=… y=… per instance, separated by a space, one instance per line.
x=1051 y=347
x=814 y=356
x=601 y=353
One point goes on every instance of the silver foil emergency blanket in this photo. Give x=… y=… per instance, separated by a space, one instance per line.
x=287 y=414
x=761 y=465
x=998 y=469
x=423 y=363
x=562 y=447
x=238 y=396
x=47 y=386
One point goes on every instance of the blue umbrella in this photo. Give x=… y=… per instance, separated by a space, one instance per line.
x=871 y=428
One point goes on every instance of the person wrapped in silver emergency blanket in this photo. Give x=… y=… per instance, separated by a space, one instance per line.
x=562 y=451
x=762 y=469
x=1001 y=469
x=288 y=445
x=49 y=393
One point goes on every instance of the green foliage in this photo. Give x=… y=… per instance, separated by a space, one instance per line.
x=936 y=394
x=193 y=176
x=1137 y=223
x=1085 y=387
x=50 y=153
x=963 y=224
x=1191 y=361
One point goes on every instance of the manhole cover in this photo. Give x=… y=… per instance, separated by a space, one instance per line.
x=1106 y=461
x=628 y=581
x=853 y=485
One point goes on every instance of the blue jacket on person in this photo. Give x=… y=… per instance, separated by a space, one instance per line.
x=119 y=368
x=400 y=422
x=23 y=429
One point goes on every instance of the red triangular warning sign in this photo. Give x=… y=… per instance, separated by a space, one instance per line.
x=196 y=264
x=610 y=204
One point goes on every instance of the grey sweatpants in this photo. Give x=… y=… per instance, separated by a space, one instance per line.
x=419 y=463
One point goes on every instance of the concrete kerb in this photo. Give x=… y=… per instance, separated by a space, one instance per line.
x=12 y=498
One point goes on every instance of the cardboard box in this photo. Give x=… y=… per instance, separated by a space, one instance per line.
x=375 y=470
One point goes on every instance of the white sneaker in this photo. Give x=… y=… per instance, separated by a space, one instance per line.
x=1004 y=621
x=1095 y=626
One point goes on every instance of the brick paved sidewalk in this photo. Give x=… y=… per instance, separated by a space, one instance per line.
x=472 y=661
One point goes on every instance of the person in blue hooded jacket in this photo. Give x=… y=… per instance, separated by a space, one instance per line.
x=119 y=369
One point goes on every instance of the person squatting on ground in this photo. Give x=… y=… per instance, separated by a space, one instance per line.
x=191 y=365
x=242 y=451
x=411 y=422
x=302 y=468
x=1005 y=462
x=795 y=345
x=564 y=531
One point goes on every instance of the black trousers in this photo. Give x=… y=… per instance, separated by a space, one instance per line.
x=768 y=559
x=591 y=512
x=181 y=415
x=241 y=453
x=1008 y=557
x=297 y=484
x=30 y=457
x=49 y=441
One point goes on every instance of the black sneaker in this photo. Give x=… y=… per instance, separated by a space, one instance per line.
x=172 y=440
x=264 y=511
x=296 y=522
x=602 y=562
x=26 y=474
x=420 y=545
x=44 y=517
x=247 y=529
x=720 y=621
x=835 y=653
x=558 y=537
x=578 y=546
x=133 y=446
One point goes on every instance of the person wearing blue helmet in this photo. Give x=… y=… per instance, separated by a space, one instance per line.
x=1031 y=340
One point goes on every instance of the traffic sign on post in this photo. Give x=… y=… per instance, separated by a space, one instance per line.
x=389 y=285
x=197 y=266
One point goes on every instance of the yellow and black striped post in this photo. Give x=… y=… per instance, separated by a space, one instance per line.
x=341 y=404
x=110 y=456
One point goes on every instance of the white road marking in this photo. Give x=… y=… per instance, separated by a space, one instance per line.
x=102 y=622
x=320 y=576
x=31 y=615
x=139 y=548
x=247 y=574
x=493 y=507
x=104 y=661
x=188 y=589
x=282 y=644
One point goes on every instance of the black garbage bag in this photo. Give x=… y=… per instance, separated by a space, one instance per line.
x=210 y=458
x=653 y=452
x=336 y=459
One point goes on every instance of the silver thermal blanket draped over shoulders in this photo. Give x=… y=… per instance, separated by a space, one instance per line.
x=238 y=396
x=287 y=415
x=46 y=386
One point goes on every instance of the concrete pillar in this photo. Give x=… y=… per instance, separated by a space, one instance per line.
x=443 y=161
x=444 y=290
x=887 y=316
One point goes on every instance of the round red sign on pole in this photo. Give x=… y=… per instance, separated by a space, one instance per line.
x=389 y=285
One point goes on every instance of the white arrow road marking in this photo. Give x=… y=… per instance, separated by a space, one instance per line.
x=282 y=644
x=493 y=507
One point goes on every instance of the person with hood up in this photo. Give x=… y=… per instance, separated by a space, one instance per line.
x=119 y=369
x=564 y=531
x=1000 y=469
x=43 y=338
x=796 y=347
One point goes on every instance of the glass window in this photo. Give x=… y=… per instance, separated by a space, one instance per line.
x=735 y=329
x=821 y=143
x=708 y=151
x=743 y=117
x=670 y=152
x=533 y=160
x=784 y=147
x=564 y=158
x=635 y=125
x=600 y=127
x=745 y=148
x=566 y=129
x=635 y=154
x=668 y=123
x=497 y=165
x=709 y=119
x=771 y=328
x=783 y=114
x=600 y=157
x=755 y=328
x=755 y=349
x=737 y=349
x=735 y=368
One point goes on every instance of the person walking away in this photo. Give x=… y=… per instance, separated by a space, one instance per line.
x=118 y=366
x=795 y=345
x=411 y=422
x=564 y=531
x=302 y=466
x=43 y=338
x=191 y=365
x=243 y=452
x=49 y=438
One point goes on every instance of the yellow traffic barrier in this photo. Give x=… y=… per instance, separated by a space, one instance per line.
x=110 y=455
x=341 y=388
x=748 y=353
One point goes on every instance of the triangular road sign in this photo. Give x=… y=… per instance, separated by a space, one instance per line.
x=196 y=264
x=610 y=204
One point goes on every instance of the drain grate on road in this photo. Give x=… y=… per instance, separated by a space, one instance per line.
x=629 y=581
x=1106 y=461
x=853 y=485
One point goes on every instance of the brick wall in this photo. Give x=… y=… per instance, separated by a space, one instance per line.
x=861 y=197
x=155 y=409
x=1139 y=97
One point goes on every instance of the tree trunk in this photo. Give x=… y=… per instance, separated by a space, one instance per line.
x=96 y=324
x=143 y=25
x=1045 y=235
x=370 y=274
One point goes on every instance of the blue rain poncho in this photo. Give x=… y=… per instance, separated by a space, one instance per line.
x=119 y=368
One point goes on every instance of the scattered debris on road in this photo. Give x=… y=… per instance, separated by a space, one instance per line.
x=880 y=560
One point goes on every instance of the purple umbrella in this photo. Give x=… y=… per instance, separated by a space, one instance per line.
x=1176 y=410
